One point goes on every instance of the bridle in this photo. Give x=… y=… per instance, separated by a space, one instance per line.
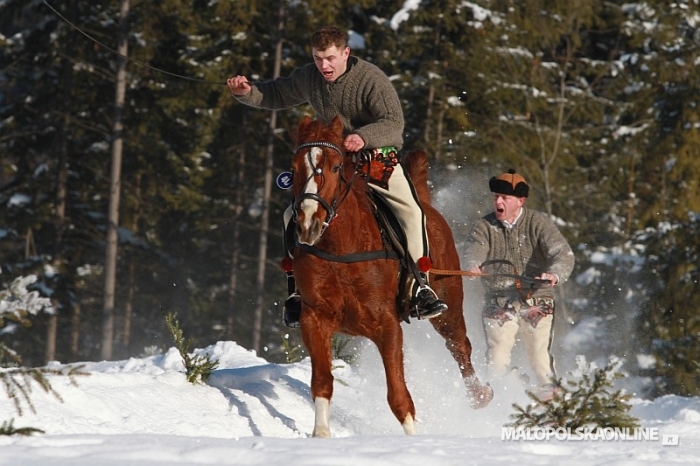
x=331 y=207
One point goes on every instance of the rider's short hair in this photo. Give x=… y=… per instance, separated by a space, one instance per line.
x=329 y=36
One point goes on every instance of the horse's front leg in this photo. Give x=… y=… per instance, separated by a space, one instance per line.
x=317 y=339
x=389 y=340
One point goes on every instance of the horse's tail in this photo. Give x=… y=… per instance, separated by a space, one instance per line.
x=415 y=163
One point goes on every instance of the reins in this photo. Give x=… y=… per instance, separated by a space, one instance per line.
x=536 y=282
x=335 y=203
x=331 y=209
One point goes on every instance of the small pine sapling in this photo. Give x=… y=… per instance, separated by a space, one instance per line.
x=292 y=353
x=589 y=402
x=197 y=368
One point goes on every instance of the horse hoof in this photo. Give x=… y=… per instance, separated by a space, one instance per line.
x=481 y=396
x=321 y=433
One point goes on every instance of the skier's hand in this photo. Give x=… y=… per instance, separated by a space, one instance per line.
x=550 y=277
x=239 y=85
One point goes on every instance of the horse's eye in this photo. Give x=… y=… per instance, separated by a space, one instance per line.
x=336 y=168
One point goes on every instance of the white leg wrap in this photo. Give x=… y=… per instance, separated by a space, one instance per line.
x=409 y=425
x=321 y=423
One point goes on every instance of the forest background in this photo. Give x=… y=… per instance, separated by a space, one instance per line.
x=138 y=187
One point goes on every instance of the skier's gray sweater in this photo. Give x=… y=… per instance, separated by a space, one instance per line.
x=534 y=245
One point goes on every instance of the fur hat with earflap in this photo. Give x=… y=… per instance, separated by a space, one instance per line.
x=510 y=184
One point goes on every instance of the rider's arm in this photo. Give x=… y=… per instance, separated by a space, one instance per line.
x=283 y=92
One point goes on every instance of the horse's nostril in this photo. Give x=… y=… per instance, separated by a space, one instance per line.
x=315 y=228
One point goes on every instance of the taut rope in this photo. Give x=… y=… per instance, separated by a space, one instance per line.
x=124 y=56
x=458 y=272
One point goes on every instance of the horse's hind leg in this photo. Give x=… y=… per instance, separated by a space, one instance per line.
x=452 y=328
x=318 y=344
x=389 y=340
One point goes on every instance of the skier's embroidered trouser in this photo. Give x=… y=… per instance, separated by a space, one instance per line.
x=503 y=323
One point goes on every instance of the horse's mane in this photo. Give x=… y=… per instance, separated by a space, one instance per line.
x=415 y=163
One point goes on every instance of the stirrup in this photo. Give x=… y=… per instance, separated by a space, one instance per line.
x=292 y=310
x=426 y=304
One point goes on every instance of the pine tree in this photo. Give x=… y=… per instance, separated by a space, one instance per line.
x=663 y=48
x=589 y=402
x=197 y=368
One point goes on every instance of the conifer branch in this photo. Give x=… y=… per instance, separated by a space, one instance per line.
x=587 y=403
x=197 y=368
x=17 y=304
x=6 y=428
x=18 y=382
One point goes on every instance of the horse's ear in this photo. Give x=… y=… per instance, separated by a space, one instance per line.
x=303 y=123
x=337 y=125
x=305 y=120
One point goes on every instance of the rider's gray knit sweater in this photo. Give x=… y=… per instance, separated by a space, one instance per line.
x=363 y=97
x=533 y=246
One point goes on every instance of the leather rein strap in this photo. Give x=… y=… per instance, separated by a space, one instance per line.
x=348 y=258
x=535 y=282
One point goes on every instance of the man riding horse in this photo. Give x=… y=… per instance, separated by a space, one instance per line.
x=339 y=84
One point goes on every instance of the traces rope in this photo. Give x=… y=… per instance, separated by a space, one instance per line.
x=127 y=58
x=518 y=279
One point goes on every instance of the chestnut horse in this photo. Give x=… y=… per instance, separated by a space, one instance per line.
x=359 y=296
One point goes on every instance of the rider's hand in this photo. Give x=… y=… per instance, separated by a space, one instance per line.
x=476 y=270
x=239 y=85
x=353 y=143
x=552 y=278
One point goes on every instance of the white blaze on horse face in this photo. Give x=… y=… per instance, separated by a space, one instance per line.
x=309 y=206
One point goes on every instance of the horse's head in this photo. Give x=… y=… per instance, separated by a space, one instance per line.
x=318 y=176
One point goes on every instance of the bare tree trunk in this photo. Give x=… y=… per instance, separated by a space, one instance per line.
x=129 y=304
x=131 y=281
x=630 y=195
x=114 y=188
x=265 y=217
x=235 y=239
x=61 y=193
x=59 y=222
x=429 y=113
x=75 y=316
x=438 y=131
x=51 y=332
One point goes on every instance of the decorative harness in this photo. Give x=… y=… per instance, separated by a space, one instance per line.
x=331 y=210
